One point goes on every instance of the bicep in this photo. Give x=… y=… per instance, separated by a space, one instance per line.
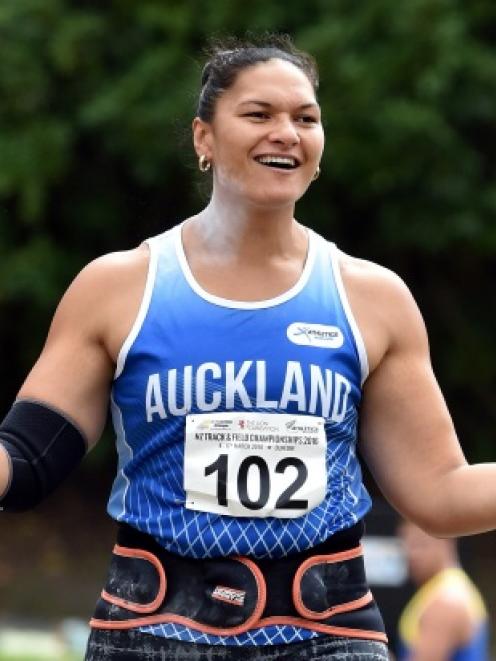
x=407 y=435
x=74 y=371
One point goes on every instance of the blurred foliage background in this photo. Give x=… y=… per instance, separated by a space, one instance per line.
x=96 y=101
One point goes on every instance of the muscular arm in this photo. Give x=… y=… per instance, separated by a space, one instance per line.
x=407 y=436
x=74 y=371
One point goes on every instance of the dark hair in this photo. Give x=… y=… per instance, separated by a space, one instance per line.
x=227 y=58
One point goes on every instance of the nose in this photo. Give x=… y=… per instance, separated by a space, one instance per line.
x=285 y=132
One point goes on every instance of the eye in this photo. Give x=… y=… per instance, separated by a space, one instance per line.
x=257 y=114
x=307 y=119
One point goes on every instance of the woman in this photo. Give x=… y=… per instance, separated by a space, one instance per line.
x=446 y=618
x=239 y=347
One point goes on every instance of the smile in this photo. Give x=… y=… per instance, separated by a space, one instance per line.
x=278 y=162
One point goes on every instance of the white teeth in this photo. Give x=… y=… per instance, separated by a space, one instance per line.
x=277 y=160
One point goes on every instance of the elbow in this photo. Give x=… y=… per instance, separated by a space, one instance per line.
x=437 y=527
x=42 y=449
x=435 y=519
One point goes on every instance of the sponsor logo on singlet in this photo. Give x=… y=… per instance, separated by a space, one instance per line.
x=315 y=335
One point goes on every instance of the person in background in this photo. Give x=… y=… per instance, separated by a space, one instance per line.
x=446 y=620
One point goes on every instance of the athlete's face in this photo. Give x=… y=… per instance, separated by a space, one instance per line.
x=266 y=139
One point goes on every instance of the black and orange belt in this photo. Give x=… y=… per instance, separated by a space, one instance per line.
x=323 y=589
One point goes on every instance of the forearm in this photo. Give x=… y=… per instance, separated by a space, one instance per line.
x=461 y=501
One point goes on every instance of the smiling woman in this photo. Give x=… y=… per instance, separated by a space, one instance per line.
x=239 y=351
x=265 y=140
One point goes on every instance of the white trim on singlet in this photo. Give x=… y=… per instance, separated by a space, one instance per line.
x=246 y=305
x=143 y=309
x=360 y=344
x=123 y=446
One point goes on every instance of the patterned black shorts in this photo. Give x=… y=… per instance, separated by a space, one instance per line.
x=133 y=645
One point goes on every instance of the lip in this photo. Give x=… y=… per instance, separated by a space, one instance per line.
x=274 y=155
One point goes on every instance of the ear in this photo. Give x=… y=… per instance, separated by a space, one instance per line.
x=202 y=138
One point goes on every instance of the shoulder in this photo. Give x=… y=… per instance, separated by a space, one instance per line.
x=366 y=278
x=449 y=611
x=107 y=277
x=385 y=309
x=442 y=627
x=108 y=269
x=103 y=299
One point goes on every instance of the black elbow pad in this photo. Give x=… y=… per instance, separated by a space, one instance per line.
x=43 y=448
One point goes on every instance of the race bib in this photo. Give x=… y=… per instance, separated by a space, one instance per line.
x=254 y=464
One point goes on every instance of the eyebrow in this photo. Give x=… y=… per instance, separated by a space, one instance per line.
x=265 y=104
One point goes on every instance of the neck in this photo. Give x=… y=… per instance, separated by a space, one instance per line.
x=437 y=569
x=233 y=230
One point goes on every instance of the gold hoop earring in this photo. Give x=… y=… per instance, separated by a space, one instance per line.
x=317 y=173
x=204 y=164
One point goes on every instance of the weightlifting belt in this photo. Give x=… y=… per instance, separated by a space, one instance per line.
x=323 y=589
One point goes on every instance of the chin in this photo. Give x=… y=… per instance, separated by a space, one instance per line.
x=273 y=202
x=276 y=199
